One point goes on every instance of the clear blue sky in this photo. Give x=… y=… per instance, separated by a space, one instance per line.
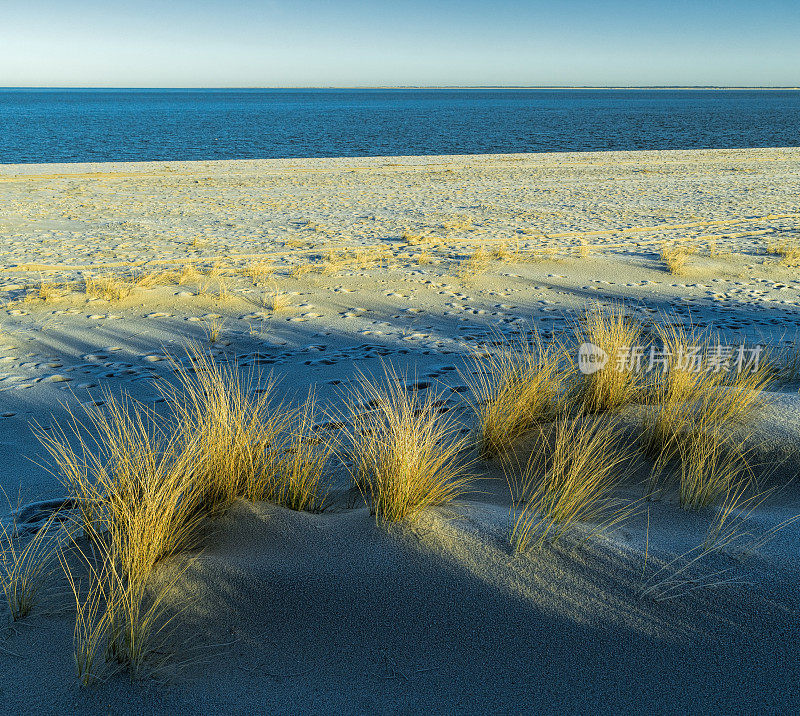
x=273 y=43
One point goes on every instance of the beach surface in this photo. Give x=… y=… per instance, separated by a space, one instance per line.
x=318 y=270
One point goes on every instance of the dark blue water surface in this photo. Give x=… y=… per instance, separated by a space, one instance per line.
x=133 y=125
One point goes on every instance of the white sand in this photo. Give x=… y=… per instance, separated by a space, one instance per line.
x=325 y=613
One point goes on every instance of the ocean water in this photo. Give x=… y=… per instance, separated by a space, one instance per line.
x=138 y=125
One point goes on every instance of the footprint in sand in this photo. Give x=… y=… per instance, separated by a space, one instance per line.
x=158 y=314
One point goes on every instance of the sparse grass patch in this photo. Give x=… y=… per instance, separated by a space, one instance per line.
x=27 y=564
x=259 y=272
x=475 y=264
x=296 y=477
x=789 y=253
x=106 y=287
x=694 y=414
x=569 y=480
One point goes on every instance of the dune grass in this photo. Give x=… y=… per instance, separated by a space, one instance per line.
x=27 y=565
x=148 y=483
x=406 y=455
x=619 y=382
x=514 y=388
x=675 y=258
x=694 y=414
x=567 y=481
x=107 y=287
x=296 y=476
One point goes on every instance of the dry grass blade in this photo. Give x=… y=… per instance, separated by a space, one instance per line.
x=406 y=454
x=514 y=389
x=570 y=483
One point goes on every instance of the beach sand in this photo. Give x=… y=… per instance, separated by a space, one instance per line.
x=316 y=269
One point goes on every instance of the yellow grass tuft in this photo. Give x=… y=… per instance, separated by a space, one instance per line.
x=616 y=333
x=675 y=258
x=258 y=272
x=406 y=456
x=296 y=476
x=475 y=264
x=106 y=287
x=147 y=484
x=695 y=412
x=514 y=388
x=568 y=480
x=789 y=253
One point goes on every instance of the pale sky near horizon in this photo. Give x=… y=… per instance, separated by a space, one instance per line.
x=252 y=43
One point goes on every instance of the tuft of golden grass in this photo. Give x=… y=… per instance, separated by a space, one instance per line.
x=789 y=253
x=234 y=420
x=156 y=278
x=147 y=483
x=106 y=287
x=675 y=258
x=296 y=476
x=188 y=274
x=515 y=388
x=258 y=272
x=475 y=264
x=405 y=455
x=615 y=332
x=214 y=330
x=277 y=301
x=27 y=564
x=568 y=480
x=49 y=292
x=694 y=414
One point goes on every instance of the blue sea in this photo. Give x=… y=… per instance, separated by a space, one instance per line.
x=138 y=125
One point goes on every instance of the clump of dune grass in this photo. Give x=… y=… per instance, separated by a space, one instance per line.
x=414 y=239
x=149 y=279
x=234 y=416
x=710 y=464
x=295 y=478
x=50 y=291
x=277 y=301
x=188 y=274
x=515 y=388
x=675 y=258
x=26 y=565
x=789 y=253
x=697 y=408
x=475 y=264
x=568 y=481
x=258 y=272
x=214 y=330
x=406 y=455
x=106 y=287
x=620 y=382
x=147 y=484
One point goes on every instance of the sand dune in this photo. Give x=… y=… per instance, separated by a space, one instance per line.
x=316 y=269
